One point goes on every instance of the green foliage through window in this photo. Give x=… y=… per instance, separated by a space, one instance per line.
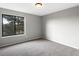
x=12 y=25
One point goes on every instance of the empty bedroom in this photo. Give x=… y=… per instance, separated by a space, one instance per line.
x=39 y=29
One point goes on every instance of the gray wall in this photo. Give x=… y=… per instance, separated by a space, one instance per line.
x=63 y=27
x=32 y=26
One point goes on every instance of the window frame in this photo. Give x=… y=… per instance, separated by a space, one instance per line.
x=13 y=25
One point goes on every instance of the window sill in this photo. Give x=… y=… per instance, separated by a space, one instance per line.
x=13 y=36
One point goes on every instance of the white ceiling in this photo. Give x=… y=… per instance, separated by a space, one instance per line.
x=31 y=9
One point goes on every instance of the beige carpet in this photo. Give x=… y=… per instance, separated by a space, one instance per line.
x=39 y=47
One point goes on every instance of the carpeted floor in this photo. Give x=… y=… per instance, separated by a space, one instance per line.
x=39 y=47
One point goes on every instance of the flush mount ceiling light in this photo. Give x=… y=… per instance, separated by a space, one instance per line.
x=38 y=5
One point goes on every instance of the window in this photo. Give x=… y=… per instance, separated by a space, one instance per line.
x=12 y=25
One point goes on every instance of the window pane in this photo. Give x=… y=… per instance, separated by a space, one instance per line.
x=17 y=25
x=8 y=25
x=20 y=25
x=12 y=25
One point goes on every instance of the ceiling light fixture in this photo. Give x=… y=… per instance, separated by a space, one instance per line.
x=38 y=5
